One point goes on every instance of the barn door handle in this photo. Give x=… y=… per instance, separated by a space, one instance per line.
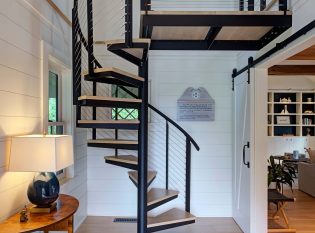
x=244 y=147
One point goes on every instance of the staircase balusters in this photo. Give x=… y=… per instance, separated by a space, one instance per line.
x=128 y=23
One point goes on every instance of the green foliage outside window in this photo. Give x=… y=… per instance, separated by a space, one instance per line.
x=124 y=113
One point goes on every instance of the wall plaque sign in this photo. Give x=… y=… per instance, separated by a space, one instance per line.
x=195 y=105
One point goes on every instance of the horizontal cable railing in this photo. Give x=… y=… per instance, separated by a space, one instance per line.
x=176 y=143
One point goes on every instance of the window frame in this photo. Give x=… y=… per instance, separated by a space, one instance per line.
x=52 y=61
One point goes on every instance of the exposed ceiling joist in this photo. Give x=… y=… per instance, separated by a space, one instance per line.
x=292 y=70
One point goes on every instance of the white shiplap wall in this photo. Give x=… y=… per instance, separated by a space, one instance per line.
x=110 y=192
x=24 y=23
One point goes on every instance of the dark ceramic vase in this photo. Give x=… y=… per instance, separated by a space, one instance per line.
x=44 y=189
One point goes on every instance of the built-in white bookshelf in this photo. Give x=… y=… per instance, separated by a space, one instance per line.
x=291 y=113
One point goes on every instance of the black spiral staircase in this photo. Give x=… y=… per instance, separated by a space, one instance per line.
x=100 y=113
x=136 y=52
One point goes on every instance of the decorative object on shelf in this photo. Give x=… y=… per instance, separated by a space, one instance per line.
x=283 y=120
x=23 y=215
x=294 y=104
x=44 y=154
x=307 y=121
x=285 y=110
x=280 y=174
x=296 y=154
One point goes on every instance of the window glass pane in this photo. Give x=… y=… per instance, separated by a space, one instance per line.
x=124 y=113
x=53 y=97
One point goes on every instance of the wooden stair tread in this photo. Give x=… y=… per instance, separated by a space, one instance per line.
x=108 y=122
x=122 y=41
x=157 y=195
x=134 y=176
x=114 y=141
x=116 y=70
x=172 y=216
x=130 y=159
x=108 y=98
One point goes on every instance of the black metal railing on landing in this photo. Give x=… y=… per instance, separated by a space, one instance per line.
x=214 y=5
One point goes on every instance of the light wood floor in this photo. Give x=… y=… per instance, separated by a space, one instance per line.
x=301 y=213
x=202 y=225
x=301 y=216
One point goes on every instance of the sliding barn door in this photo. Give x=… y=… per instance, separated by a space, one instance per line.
x=242 y=153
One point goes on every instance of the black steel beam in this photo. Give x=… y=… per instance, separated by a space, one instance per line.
x=120 y=46
x=217 y=20
x=212 y=34
x=237 y=45
x=271 y=35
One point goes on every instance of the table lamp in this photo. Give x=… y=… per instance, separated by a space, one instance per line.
x=44 y=154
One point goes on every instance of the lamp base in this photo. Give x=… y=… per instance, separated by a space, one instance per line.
x=43 y=191
x=41 y=210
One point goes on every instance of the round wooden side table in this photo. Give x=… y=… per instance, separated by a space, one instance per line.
x=60 y=219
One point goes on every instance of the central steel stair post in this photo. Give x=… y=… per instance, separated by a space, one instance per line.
x=143 y=152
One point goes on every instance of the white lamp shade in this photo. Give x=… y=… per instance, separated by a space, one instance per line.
x=40 y=153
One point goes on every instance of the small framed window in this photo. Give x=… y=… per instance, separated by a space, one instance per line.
x=124 y=113
x=55 y=124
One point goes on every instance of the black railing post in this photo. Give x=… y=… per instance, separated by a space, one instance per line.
x=241 y=7
x=116 y=118
x=166 y=155
x=75 y=55
x=188 y=174
x=283 y=5
x=145 y=5
x=128 y=23
x=251 y=5
x=143 y=153
x=90 y=49
x=263 y=5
